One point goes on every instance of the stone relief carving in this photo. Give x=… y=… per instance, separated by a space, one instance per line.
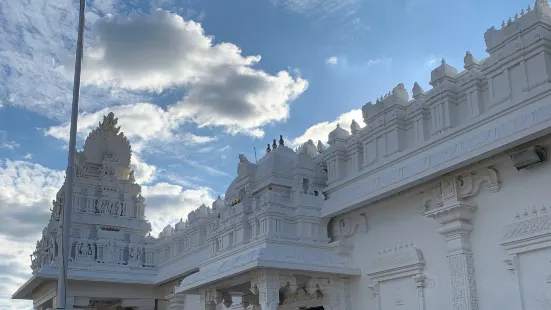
x=459 y=187
x=349 y=225
x=266 y=285
x=532 y=221
x=335 y=292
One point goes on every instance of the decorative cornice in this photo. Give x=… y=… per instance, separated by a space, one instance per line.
x=529 y=231
x=397 y=262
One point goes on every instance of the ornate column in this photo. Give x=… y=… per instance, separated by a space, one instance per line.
x=455 y=216
x=335 y=290
x=209 y=299
x=266 y=285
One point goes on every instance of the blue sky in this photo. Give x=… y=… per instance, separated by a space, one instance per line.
x=194 y=83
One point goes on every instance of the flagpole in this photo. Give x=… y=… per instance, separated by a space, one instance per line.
x=67 y=210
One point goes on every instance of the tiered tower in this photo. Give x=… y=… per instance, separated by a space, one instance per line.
x=108 y=223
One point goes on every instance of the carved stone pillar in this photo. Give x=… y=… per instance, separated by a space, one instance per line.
x=335 y=290
x=455 y=215
x=456 y=227
x=266 y=285
x=209 y=299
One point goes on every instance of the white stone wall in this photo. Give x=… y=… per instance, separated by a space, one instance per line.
x=399 y=221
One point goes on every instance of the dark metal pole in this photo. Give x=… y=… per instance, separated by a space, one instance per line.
x=67 y=210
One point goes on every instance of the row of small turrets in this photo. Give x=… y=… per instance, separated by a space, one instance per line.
x=274 y=144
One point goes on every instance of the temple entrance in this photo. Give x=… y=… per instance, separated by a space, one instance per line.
x=315 y=308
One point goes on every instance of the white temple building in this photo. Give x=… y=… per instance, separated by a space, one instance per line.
x=443 y=201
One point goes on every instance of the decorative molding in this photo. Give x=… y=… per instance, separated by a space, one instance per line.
x=400 y=261
x=529 y=231
x=310 y=258
x=469 y=184
x=457 y=188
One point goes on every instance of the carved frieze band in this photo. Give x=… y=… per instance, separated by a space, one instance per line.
x=529 y=222
x=530 y=230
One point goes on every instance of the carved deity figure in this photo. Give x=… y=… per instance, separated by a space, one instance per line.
x=109 y=123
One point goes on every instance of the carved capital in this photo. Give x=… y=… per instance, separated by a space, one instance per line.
x=288 y=282
x=452 y=212
x=266 y=285
x=213 y=296
x=456 y=188
x=469 y=184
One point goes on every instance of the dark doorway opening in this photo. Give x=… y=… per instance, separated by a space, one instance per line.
x=315 y=308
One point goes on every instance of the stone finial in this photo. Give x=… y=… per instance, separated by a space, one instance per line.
x=268 y=150
x=355 y=127
x=509 y=21
x=417 y=91
x=443 y=72
x=529 y=8
x=320 y=146
x=516 y=16
x=400 y=92
x=274 y=144
x=469 y=61
x=522 y=12
x=281 y=142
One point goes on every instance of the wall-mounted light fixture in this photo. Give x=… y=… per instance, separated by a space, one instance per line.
x=529 y=157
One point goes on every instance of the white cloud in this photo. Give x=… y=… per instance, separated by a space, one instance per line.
x=167 y=203
x=162 y=50
x=28 y=156
x=320 y=6
x=207 y=168
x=332 y=60
x=144 y=124
x=27 y=185
x=143 y=172
x=5 y=143
x=26 y=191
x=320 y=131
x=42 y=33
